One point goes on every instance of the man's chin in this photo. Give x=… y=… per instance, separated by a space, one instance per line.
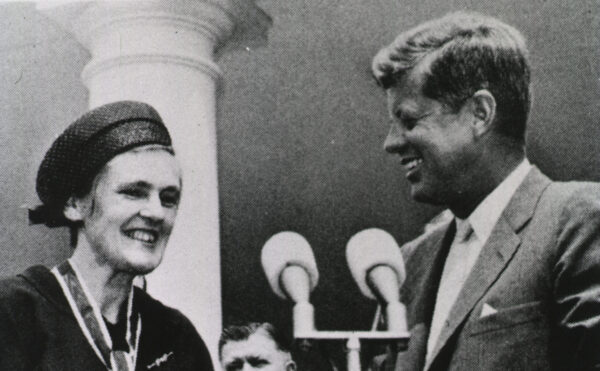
x=422 y=195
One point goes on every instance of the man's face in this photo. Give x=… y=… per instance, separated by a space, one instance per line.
x=258 y=352
x=129 y=214
x=435 y=144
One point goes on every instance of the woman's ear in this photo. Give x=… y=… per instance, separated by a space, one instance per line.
x=290 y=366
x=73 y=210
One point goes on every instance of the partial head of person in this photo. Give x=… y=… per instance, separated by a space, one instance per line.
x=112 y=177
x=458 y=91
x=255 y=346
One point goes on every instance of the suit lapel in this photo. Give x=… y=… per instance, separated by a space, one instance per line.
x=419 y=291
x=429 y=273
x=496 y=253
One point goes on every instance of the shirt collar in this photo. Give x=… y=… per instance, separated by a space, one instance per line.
x=486 y=215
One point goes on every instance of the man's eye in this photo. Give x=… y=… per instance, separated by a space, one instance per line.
x=258 y=362
x=406 y=120
x=234 y=366
x=409 y=122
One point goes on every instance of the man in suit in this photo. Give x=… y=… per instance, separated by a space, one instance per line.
x=512 y=281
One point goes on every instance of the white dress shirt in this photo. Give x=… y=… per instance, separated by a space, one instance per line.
x=471 y=235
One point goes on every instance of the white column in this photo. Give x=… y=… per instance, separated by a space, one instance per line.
x=162 y=53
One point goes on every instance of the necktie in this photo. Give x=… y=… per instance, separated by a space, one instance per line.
x=453 y=278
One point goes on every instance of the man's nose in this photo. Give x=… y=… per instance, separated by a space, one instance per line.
x=395 y=141
x=247 y=367
x=153 y=208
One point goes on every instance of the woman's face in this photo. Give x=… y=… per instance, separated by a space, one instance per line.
x=129 y=213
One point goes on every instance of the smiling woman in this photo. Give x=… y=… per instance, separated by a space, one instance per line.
x=113 y=179
x=128 y=216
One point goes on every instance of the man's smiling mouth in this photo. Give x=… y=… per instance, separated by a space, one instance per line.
x=410 y=163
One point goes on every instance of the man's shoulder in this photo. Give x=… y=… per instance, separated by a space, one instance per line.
x=573 y=191
x=572 y=199
x=548 y=201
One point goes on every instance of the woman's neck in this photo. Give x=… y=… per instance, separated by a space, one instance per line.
x=110 y=289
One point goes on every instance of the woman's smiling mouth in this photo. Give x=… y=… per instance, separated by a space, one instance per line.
x=143 y=235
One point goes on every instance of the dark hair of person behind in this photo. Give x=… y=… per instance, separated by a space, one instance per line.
x=464 y=52
x=243 y=332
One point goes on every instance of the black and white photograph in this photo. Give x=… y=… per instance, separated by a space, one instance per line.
x=310 y=185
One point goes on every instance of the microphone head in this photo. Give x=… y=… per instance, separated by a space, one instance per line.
x=368 y=249
x=282 y=250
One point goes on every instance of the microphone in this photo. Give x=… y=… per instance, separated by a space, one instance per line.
x=291 y=270
x=376 y=264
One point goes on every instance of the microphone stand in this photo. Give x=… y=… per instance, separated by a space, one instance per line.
x=296 y=284
x=304 y=329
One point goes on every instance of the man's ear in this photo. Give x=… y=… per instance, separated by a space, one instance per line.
x=290 y=366
x=73 y=210
x=483 y=108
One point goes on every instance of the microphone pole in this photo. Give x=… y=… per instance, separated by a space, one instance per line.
x=296 y=284
x=377 y=266
x=291 y=270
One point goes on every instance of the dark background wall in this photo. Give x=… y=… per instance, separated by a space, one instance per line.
x=302 y=127
x=300 y=133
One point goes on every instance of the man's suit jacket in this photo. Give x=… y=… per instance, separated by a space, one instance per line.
x=540 y=269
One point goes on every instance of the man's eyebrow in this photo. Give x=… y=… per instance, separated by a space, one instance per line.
x=234 y=360
x=256 y=359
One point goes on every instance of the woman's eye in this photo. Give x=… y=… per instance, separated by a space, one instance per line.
x=170 y=199
x=133 y=192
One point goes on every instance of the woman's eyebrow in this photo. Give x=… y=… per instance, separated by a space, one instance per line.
x=138 y=184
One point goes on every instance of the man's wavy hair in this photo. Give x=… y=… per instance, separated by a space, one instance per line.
x=464 y=52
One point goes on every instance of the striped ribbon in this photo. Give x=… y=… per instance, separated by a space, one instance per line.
x=92 y=324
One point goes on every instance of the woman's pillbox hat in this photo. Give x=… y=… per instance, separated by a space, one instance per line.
x=80 y=152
